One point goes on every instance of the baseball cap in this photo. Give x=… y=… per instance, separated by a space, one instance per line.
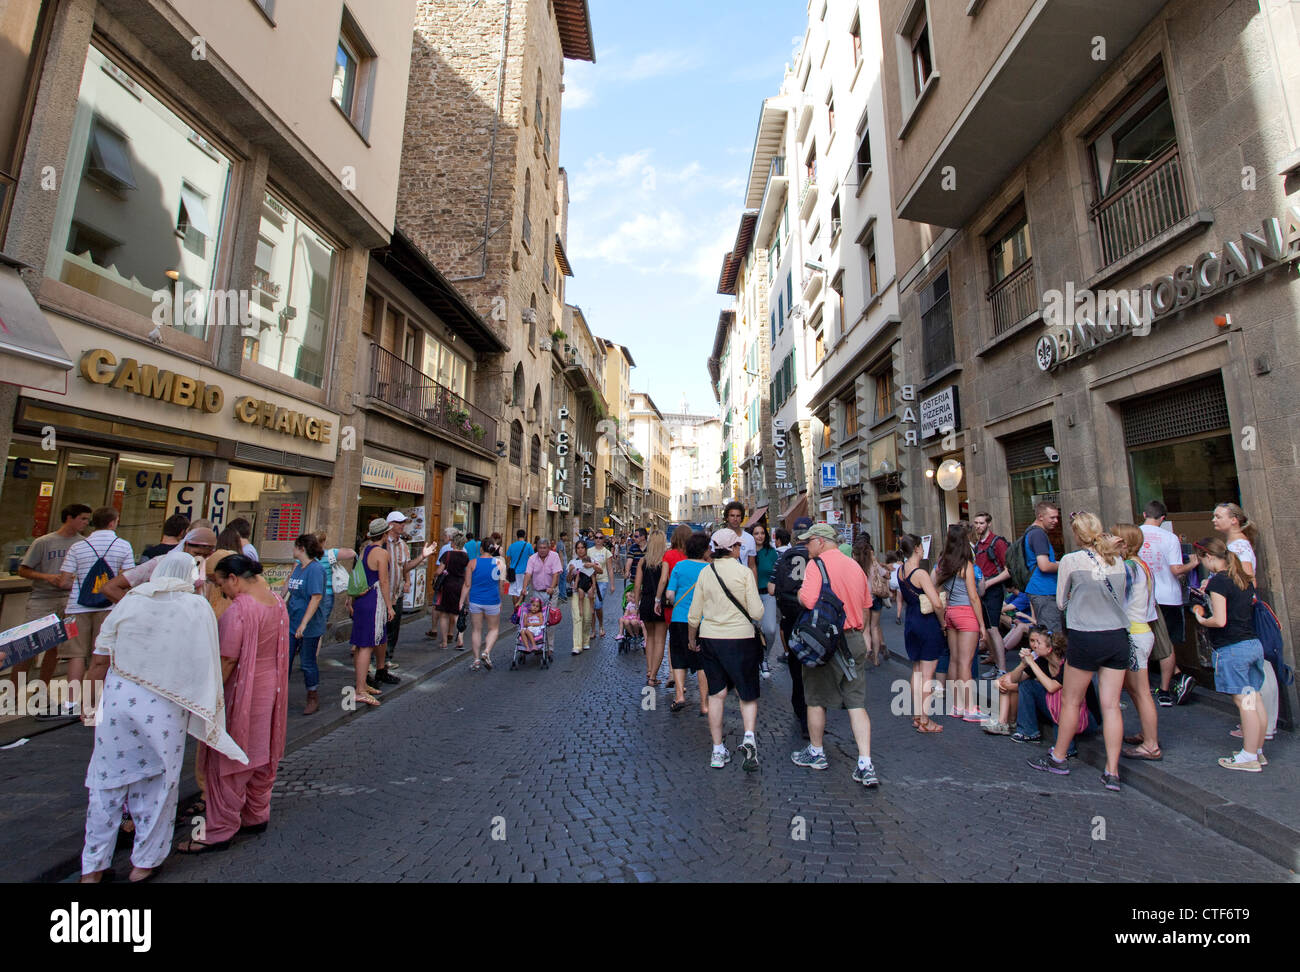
x=823 y=531
x=378 y=527
x=396 y=517
x=803 y=523
x=725 y=539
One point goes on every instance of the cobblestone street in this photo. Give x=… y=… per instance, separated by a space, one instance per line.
x=561 y=775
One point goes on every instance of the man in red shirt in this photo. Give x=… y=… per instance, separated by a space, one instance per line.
x=829 y=686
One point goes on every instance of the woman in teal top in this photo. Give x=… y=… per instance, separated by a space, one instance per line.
x=766 y=559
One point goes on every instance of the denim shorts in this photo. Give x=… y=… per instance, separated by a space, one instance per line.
x=1239 y=668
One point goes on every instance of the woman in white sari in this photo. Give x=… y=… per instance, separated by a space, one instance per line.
x=161 y=668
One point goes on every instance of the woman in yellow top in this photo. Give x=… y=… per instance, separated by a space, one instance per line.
x=724 y=610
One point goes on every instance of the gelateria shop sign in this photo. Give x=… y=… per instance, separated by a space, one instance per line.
x=127 y=375
x=1081 y=321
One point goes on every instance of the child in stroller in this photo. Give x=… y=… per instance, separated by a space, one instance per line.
x=533 y=619
x=631 y=632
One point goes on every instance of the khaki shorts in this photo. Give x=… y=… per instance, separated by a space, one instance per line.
x=827 y=688
x=83 y=645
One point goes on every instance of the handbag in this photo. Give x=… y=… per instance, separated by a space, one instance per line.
x=758 y=628
x=462 y=622
x=927 y=607
x=879 y=582
x=511 y=572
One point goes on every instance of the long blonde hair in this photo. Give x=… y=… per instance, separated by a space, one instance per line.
x=1244 y=524
x=1089 y=533
x=654 y=549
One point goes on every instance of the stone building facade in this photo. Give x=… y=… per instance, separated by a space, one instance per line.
x=1101 y=284
x=481 y=199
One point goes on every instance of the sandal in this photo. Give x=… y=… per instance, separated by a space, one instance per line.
x=369 y=700
x=196 y=809
x=1134 y=740
x=1141 y=752
x=651 y=681
x=476 y=667
x=487 y=663
x=677 y=706
x=929 y=727
x=199 y=847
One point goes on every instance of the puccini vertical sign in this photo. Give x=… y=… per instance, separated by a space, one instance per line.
x=562 y=451
x=1080 y=321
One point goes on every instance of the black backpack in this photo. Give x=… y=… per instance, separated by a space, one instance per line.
x=787 y=578
x=88 y=595
x=1019 y=564
x=819 y=633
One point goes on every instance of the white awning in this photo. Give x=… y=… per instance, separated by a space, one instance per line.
x=614 y=519
x=197 y=211
x=30 y=353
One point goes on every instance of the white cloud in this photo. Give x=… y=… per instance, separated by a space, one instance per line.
x=653 y=64
x=601 y=172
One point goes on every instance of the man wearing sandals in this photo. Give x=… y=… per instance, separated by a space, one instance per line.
x=829 y=686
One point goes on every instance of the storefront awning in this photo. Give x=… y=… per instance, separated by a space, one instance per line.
x=30 y=354
x=614 y=519
x=797 y=509
x=757 y=515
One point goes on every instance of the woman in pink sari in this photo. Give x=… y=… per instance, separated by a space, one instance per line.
x=254 y=637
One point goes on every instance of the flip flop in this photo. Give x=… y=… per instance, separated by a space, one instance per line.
x=369 y=700
x=926 y=728
x=199 y=847
x=1135 y=752
x=678 y=706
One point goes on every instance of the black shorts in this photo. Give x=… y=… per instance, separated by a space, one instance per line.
x=584 y=582
x=683 y=659
x=993 y=601
x=732 y=663
x=1175 y=620
x=1089 y=651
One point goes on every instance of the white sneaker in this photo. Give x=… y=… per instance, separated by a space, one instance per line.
x=720 y=759
x=576 y=651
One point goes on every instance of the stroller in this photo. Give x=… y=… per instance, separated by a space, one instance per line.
x=634 y=640
x=545 y=651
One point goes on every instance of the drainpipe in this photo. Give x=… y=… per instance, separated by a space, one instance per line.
x=492 y=160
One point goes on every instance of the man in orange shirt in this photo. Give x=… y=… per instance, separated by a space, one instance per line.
x=829 y=686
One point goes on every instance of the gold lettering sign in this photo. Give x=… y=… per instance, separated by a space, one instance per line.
x=268 y=415
x=101 y=367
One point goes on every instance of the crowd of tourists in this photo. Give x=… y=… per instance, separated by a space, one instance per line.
x=192 y=640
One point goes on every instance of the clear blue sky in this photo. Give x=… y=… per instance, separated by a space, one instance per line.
x=657 y=139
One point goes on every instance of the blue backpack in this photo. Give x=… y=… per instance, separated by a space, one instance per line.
x=1269 y=632
x=88 y=594
x=819 y=632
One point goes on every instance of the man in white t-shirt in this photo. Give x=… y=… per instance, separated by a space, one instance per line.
x=81 y=558
x=735 y=515
x=1163 y=553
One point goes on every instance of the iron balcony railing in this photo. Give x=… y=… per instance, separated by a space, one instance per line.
x=1012 y=298
x=404 y=387
x=1151 y=203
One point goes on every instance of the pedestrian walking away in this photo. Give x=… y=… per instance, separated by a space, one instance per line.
x=678 y=596
x=787 y=578
x=481 y=596
x=1041 y=558
x=837 y=684
x=650 y=606
x=721 y=626
x=923 y=630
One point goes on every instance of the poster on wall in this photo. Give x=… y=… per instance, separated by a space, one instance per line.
x=186 y=499
x=219 y=505
x=414 y=531
x=277 y=575
x=41 y=515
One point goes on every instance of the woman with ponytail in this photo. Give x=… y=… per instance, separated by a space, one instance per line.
x=1241 y=537
x=1142 y=611
x=1091 y=588
x=1226 y=612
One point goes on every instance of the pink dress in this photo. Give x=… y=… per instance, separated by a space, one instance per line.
x=257 y=703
